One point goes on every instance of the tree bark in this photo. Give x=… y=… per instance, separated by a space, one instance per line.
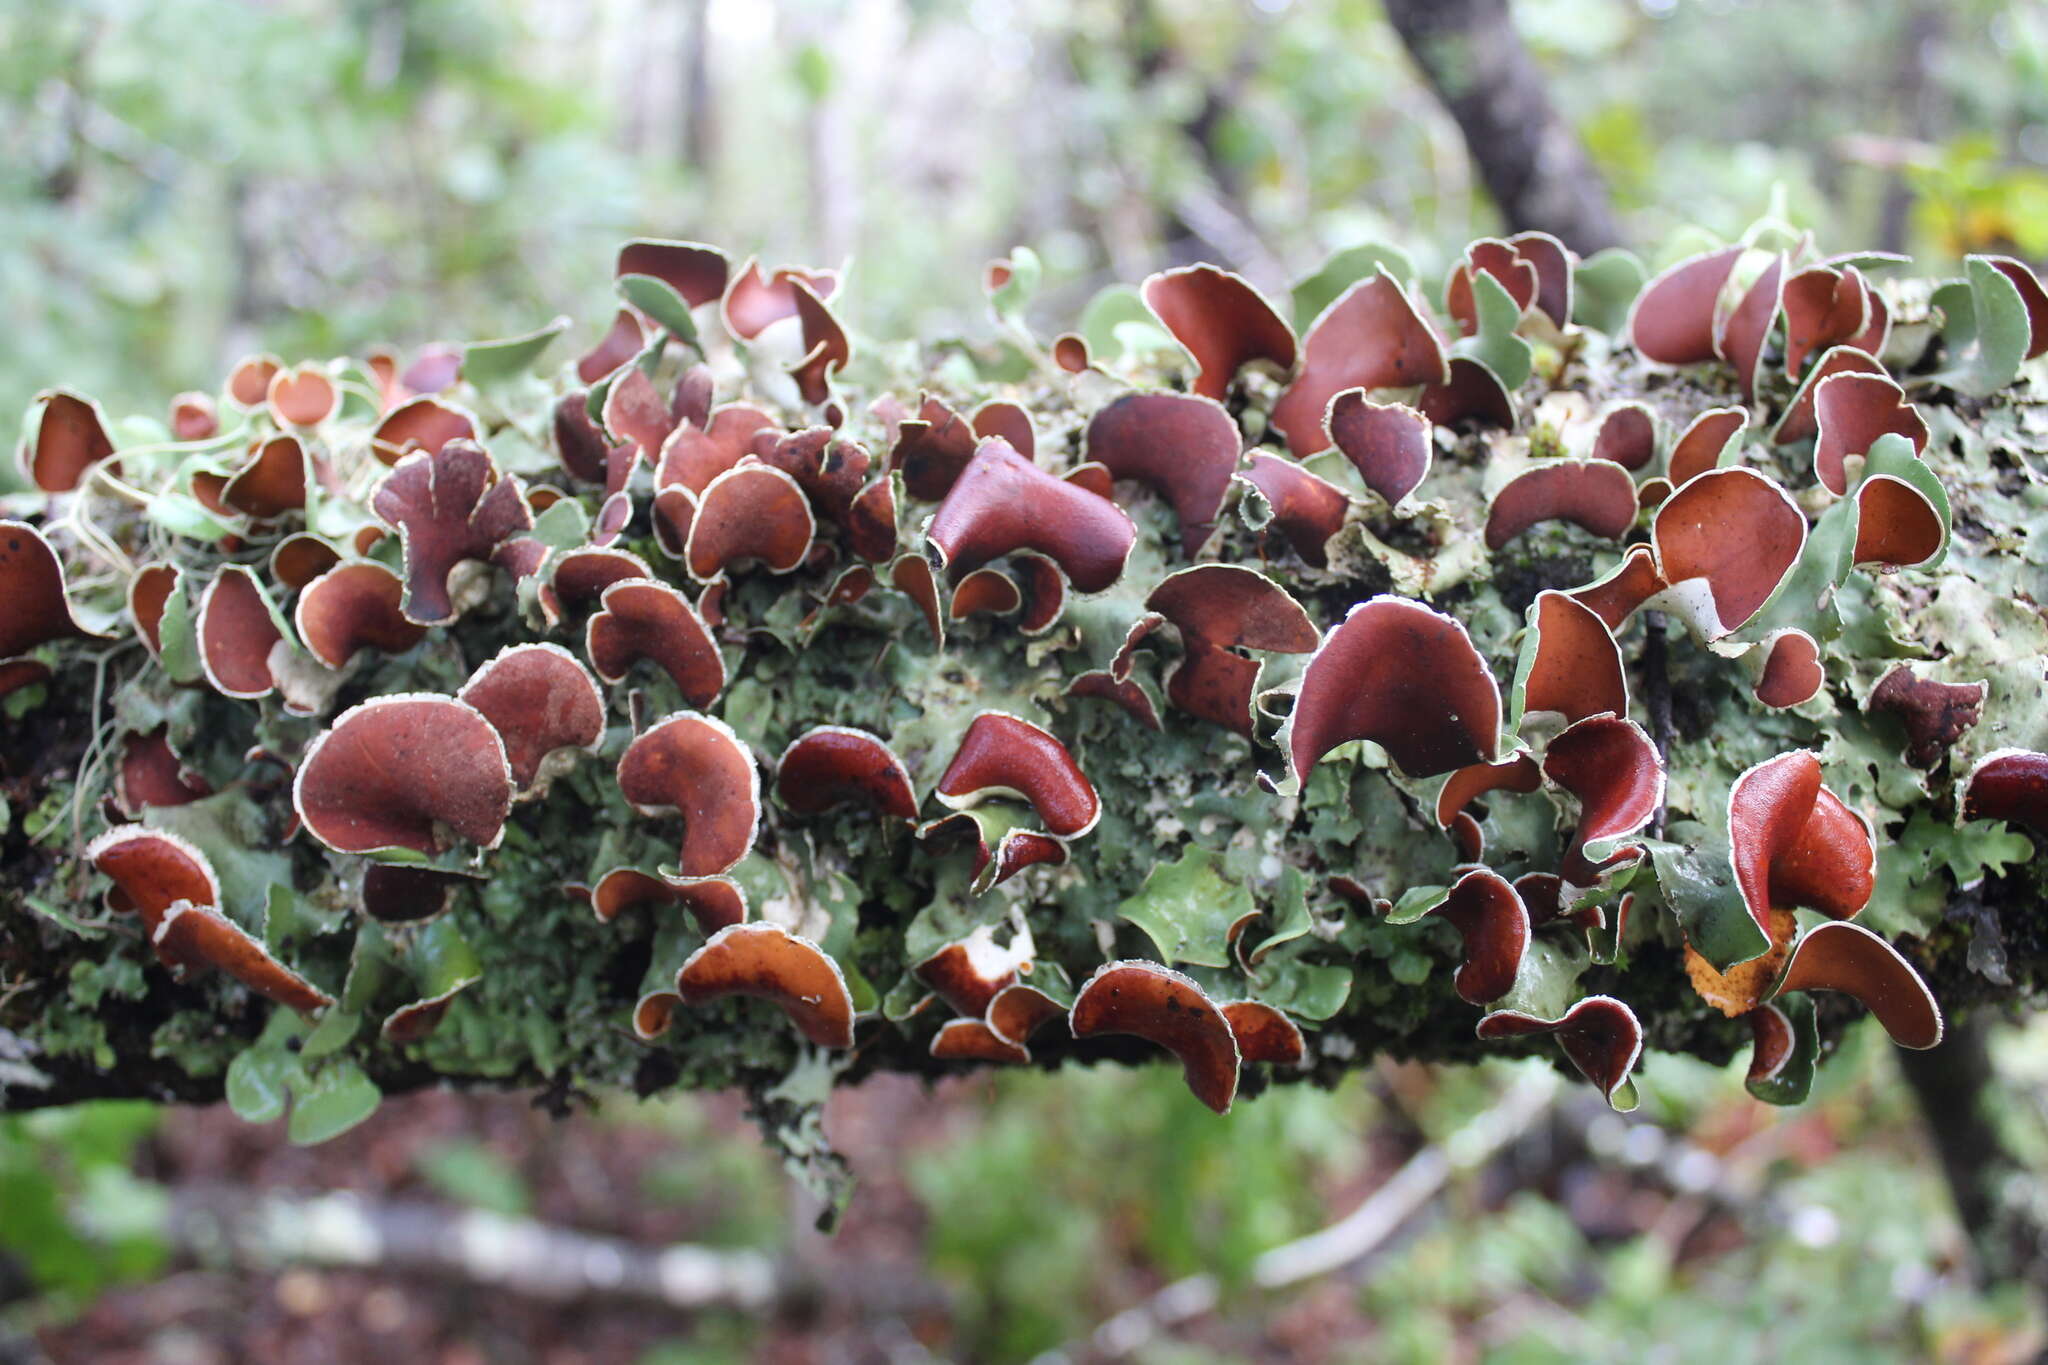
x=1529 y=159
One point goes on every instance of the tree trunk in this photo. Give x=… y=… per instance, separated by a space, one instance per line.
x=1528 y=157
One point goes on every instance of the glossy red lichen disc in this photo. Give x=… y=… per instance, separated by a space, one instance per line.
x=1405 y=677
x=1723 y=543
x=768 y=963
x=1575 y=670
x=1630 y=583
x=398 y=893
x=1627 y=436
x=1849 y=958
x=1391 y=444
x=69 y=439
x=1371 y=337
x=396 y=771
x=1793 y=842
x=539 y=699
x=695 y=271
x=190 y=937
x=302 y=397
x=826 y=347
x=423 y=423
x=1850 y=412
x=236 y=634
x=153 y=870
x=447 y=507
x=643 y=618
x=750 y=513
x=300 y=558
x=971 y=1040
x=833 y=765
x=1792 y=673
x=1307 y=509
x=1698 y=448
x=1228 y=605
x=1264 y=1034
x=755 y=300
x=34 y=608
x=1672 y=319
x=1600 y=1034
x=1001 y=755
x=1222 y=321
x=354 y=606
x=1612 y=767
x=151 y=775
x=696 y=765
x=1594 y=495
x=1164 y=1007
x=969 y=973
x=1896 y=526
x=1518 y=773
x=2009 y=784
x=1002 y=503
x=1490 y=918
x=1181 y=446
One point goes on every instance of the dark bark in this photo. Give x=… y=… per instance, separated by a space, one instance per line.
x=1915 y=95
x=1528 y=157
x=1954 y=1085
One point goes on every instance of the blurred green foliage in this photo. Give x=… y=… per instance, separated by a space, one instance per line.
x=73 y=1211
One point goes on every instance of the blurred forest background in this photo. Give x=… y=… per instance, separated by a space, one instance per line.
x=183 y=181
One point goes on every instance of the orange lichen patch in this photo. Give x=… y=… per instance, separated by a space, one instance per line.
x=833 y=765
x=1222 y=321
x=971 y=1040
x=1183 y=447
x=2009 y=784
x=769 y=963
x=1002 y=503
x=539 y=699
x=447 y=507
x=1264 y=1034
x=302 y=397
x=1009 y=421
x=66 y=434
x=1164 y=1007
x=1611 y=766
x=584 y=575
x=1791 y=670
x=1001 y=755
x=1935 y=714
x=826 y=347
x=300 y=558
x=1851 y=411
x=152 y=870
x=618 y=345
x=931 y=450
x=405 y=771
x=1390 y=443
x=193 y=937
x=1615 y=597
x=695 y=271
x=151 y=774
x=1307 y=509
x=968 y=974
x=1850 y=959
x=249 y=381
x=34 y=607
x=1573 y=667
x=1594 y=495
x=1490 y=918
x=695 y=765
x=1699 y=447
x=1403 y=676
x=423 y=423
x=236 y=634
x=396 y=893
x=911 y=575
x=1896 y=526
x=1743 y=986
x=1825 y=307
x=1518 y=773
x=1672 y=319
x=647 y=619
x=1600 y=1035
x=750 y=513
x=713 y=902
x=1723 y=543
x=1627 y=437
x=1748 y=326
x=1793 y=842
x=354 y=606
x=755 y=300
x=1372 y=337
x=1473 y=394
